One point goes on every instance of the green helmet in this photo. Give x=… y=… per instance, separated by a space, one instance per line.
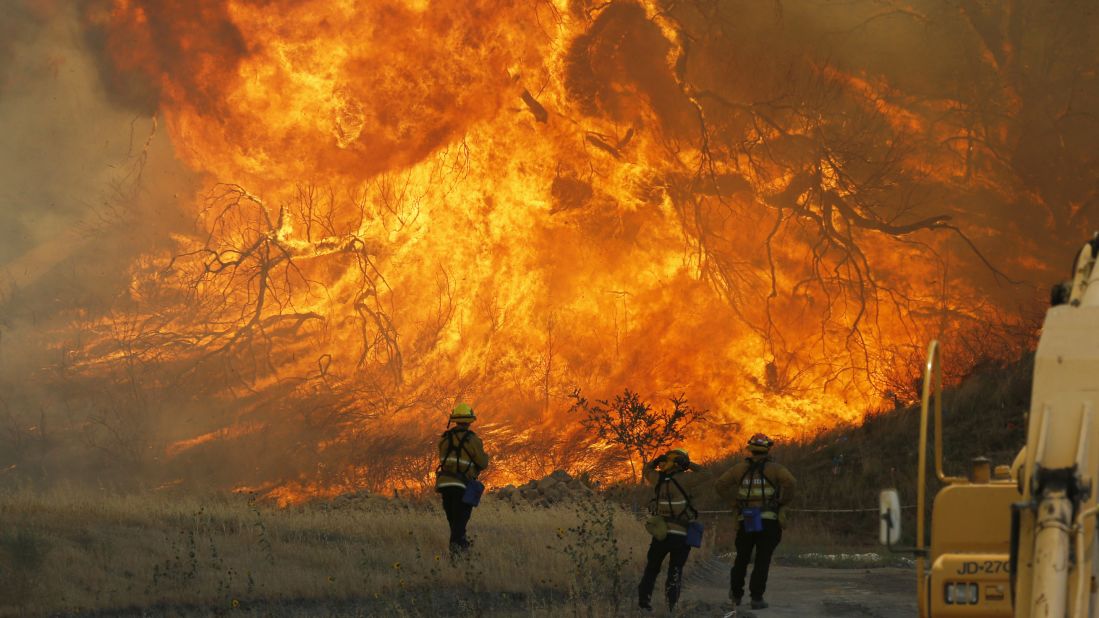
x=463 y=413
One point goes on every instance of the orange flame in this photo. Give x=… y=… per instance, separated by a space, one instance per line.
x=502 y=201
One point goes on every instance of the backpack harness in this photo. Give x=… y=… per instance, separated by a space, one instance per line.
x=665 y=478
x=757 y=467
x=457 y=452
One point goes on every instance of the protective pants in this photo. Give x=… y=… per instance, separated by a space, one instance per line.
x=764 y=543
x=676 y=545
x=457 y=515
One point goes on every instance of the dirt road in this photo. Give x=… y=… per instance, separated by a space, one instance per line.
x=804 y=592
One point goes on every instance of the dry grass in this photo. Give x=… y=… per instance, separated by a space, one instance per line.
x=71 y=551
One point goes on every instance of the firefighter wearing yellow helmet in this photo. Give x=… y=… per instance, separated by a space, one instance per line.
x=462 y=458
x=673 y=527
x=758 y=489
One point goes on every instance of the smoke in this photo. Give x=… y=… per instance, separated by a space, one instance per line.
x=20 y=22
x=86 y=188
x=193 y=42
x=74 y=164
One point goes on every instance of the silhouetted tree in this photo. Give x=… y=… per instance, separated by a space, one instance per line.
x=634 y=425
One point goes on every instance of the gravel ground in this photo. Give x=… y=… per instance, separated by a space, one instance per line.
x=793 y=592
x=803 y=592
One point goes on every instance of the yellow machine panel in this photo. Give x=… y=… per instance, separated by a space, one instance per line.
x=970 y=571
x=973 y=518
x=970 y=585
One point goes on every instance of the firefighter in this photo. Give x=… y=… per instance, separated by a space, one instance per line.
x=461 y=459
x=673 y=476
x=758 y=489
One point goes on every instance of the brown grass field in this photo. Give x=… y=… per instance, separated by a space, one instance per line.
x=78 y=553
x=71 y=552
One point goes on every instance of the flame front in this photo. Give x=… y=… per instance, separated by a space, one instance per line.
x=412 y=202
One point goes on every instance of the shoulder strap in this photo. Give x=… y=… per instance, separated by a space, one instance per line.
x=763 y=474
x=753 y=468
x=690 y=507
x=663 y=482
x=462 y=449
x=757 y=466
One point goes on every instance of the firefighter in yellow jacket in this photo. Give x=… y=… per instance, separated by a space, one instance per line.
x=673 y=477
x=758 y=489
x=461 y=459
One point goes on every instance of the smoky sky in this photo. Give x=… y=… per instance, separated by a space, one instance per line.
x=86 y=184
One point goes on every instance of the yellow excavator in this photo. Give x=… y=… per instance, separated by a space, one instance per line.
x=1019 y=540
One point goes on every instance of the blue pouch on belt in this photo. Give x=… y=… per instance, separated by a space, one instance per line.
x=474 y=489
x=694 y=534
x=753 y=518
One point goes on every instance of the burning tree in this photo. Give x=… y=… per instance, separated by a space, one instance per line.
x=634 y=426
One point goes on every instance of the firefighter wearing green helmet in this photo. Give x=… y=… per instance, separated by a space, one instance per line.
x=758 y=489
x=673 y=527
x=462 y=458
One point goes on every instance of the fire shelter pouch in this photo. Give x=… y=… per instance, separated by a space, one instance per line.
x=474 y=489
x=694 y=534
x=657 y=527
x=753 y=518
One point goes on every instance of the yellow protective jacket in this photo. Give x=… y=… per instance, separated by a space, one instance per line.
x=758 y=482
x=673 y=494
x=461 y=458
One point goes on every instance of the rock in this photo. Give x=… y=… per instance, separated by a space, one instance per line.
x=359 y=500
x=556 y=488
x=555 y=493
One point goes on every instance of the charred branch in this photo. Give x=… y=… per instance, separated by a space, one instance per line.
x=536 y=108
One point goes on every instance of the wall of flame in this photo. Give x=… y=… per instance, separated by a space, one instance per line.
x=406 y=203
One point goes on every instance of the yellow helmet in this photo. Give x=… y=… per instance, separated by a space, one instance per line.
x=463 y=413
x=676 y=458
